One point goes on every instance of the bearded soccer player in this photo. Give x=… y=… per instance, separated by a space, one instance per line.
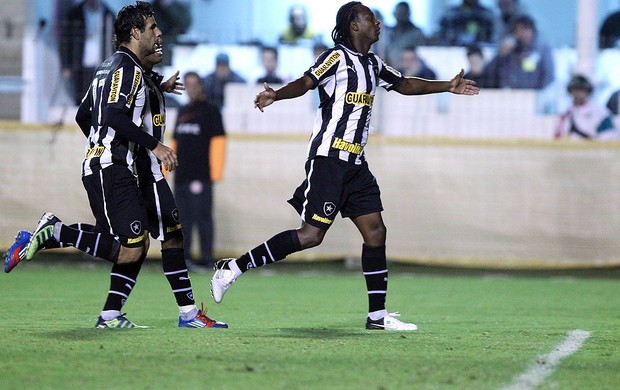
x=110 y=116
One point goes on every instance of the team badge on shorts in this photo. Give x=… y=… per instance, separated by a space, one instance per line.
x=175 y=215
x=328 y=208
x=136 y=227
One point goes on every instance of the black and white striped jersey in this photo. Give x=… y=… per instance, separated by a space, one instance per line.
x=154 y=119
x=116 y=97
x=346 y=82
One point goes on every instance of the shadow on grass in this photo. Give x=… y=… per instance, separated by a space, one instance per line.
x=90 y=334
x=318 y=333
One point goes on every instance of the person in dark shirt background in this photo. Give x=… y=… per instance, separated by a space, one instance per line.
x=200 y=143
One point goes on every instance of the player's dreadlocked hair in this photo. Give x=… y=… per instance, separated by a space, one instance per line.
x=131 y=16
x=346 y=14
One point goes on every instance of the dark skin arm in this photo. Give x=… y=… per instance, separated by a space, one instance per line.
x=410 y=86
x=458 y=85
x=289 y=91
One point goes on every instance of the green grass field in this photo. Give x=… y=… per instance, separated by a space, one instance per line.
x=301 y=330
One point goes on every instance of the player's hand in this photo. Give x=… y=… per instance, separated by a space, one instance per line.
x=265 y=98
x=462 y=86
x=167 y=157
x=173 y=85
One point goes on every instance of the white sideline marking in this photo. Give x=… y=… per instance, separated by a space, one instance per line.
x=544 y=365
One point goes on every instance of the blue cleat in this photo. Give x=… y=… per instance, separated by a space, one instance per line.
x=17 y=251
x=201 y=321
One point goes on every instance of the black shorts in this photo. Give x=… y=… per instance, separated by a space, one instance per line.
x=161 y=209
x=333 y=186
x=117 y=204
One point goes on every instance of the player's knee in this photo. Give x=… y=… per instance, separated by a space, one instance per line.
x=310 y=238
x=173 y=243
x=129 y=255
x=377 y=235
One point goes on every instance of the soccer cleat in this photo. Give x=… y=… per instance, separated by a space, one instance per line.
x=17 y=251
x=43 y=234
x=119 y=322
x=221 y=281
x=201 y=321
x=389 y=323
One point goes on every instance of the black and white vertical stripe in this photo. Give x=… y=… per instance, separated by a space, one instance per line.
x=339 y=72
x=118 y=83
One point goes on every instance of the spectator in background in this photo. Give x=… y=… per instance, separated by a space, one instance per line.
x=614 y=103
x=609 y=34
x=585 y=119
x=215 y=82
x=174 y=18
x=411 y=65
x=269 y=59
x=298 y=28
x=200 y=145
x=509 y=11
x=380 y=47
x=466 y=24
x=85 y=41
x=476 y=63
x=522 y=61
x=403 y=34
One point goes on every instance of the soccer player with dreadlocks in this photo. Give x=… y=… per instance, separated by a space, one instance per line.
x=337 y=175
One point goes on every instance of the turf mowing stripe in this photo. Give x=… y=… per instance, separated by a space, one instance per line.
x=544 y=365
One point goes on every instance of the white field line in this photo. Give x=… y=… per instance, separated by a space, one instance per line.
x=545 y=365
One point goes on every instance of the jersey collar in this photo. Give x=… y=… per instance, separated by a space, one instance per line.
x=131 y=54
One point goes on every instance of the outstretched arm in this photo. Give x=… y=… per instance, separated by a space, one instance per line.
x=458 y=85
x=289 y=91
x=172 y=85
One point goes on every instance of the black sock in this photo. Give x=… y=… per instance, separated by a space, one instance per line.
x=82 y=237
x=175 y=269
x=374 y=266
x=122 y=280
x=274 y=249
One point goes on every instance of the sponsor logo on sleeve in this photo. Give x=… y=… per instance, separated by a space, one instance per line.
x=326 y=65
x=117 y=77
x=137 y=78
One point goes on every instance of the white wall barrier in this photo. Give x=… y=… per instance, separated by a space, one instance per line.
x=531 y=204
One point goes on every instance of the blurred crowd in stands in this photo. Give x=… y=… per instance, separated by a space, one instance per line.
x=502 y=47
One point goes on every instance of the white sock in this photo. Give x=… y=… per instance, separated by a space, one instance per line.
x=377 y=315
x=234 y=267
x=108 y=315
x=57 y=227
x=188 y=312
